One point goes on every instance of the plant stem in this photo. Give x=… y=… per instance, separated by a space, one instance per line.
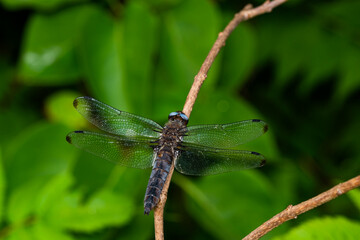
x=291 y=212
x=245 y=14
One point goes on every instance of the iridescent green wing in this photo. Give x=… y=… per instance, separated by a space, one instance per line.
x=129 y=152
x=200 y=161
x=115 y=121
x=225 y=135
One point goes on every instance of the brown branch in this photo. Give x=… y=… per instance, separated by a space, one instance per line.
x=245 y=14
x=291 y=212
x=159 y=210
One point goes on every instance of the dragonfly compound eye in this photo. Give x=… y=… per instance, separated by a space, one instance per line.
x=172 y=114
x=178 y=115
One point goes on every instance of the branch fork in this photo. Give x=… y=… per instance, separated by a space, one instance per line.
x=246 y=13
x=292 y=211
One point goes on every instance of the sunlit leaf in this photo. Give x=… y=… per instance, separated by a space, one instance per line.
x=103 y=209
x=59 y=108
x=329 y=228
x=44 y=232
x=54 y=190
x=22 y=200
x=355 y=197
x=36 y=230
x=48 y=55
x=21 y=233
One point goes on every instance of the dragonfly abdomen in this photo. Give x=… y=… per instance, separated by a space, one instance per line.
x=159 y=173
x=166 y=152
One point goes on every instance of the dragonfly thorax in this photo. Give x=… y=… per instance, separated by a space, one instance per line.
x=173 y=131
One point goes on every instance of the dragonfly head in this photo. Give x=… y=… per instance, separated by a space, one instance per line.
x=178 y=116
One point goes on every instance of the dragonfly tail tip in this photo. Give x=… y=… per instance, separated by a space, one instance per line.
x=147 y=211
x=266 y=128
x=263 y=162
x=75 y=103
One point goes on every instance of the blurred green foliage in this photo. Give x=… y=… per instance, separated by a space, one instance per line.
x=296 y=68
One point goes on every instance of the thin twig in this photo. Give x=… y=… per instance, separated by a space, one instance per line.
x=159 y=210
x=245 y=14
x=291 y=212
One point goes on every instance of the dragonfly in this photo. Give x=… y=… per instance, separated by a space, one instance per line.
x=137 y=142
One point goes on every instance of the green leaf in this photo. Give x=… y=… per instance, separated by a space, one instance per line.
x=101 y=58
x=139 y=24
x=36 y=230
x=13 y=123
x=54 y=190
x=226 y=108
x=315 y=63
x=189 y=30
x=2 y=187
x=48 y=55
x=59 y=109
x=239 y=57
x=91 y=172
x=40 y=152
x=42 y=232
x=37 y=4
x=329 y=228
x=103 y=174
x=131 y=231
x=22 y=201
x=6 y=75
x=227 y=200
x=136 y=182
x=349 y=79
x=343 y=12
x=323 y=61
x=103 y=209
x=21 y=233
x=323 y=54
x=289 y=59
x=355 y=197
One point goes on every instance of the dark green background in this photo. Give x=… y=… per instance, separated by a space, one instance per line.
x=297 y=68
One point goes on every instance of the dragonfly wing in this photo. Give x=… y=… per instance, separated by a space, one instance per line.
x=200 y=161
x=225 y=135
x=115 y=121
x=135 y=153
